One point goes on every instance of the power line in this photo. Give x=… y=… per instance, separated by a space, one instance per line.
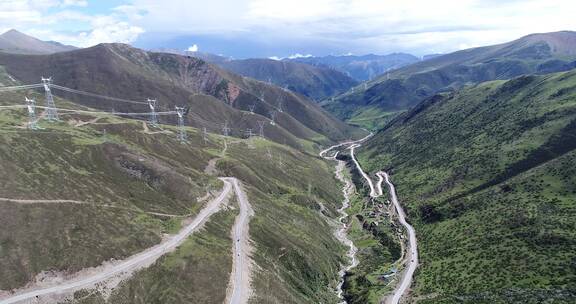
x=51 y=111
x=97 y=95
x=22 y=87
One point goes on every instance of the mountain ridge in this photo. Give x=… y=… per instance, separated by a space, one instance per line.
x=211 y=92
x=17 y=42
x=405 y=87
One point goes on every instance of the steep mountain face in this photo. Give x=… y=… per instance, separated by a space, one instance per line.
x=16 y=42
x=488 y=177
x=315 y=82
x=405 y=87
x=213 y=95
x=361 y=68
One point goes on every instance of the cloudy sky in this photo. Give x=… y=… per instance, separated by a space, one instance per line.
x=265 y=28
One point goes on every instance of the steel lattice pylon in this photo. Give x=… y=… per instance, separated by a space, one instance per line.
x=51 y=112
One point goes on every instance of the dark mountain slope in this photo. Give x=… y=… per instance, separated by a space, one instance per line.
x=488 y=176
x=16 y=42
x=315 y=82
x=404 y=87
x=213 y=95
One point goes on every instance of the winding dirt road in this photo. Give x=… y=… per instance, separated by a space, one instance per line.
x=131 y=264
x=412 y=261
x=239 y=290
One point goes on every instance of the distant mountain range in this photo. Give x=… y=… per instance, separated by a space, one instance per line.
x=315 y=82
x=16 y=42
x=212 y=94
x=361 y=68
x=405 y=87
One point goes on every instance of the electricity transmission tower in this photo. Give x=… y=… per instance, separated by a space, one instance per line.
x=181 y=131
x=262 y=96
x=225 y=131
x=272 y=117
x=249 y=133
x=280 y=101
x=261 y=128
x=252 y=107
x=31 y=105
x=269 y=153
x=205 y=135
x=51 y=111
x=153 y=115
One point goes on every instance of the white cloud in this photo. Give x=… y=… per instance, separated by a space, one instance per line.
x=360 y=26
x=298 y=55
x=36 y=17
x=364 y=26
x=106 y=29
x=193 y=48
x=66 y=3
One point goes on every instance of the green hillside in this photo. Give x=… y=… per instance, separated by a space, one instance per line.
x=125 y=178
x=487 y=175
x=403 y=88
x=213 y=95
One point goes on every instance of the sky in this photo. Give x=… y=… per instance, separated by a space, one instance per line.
x=279 y=28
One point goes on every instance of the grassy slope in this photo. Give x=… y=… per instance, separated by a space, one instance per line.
x=197 y=272
x=210 y=92
x=292 y=241
x=405 y=87
x=116 y=163
x=372 y=118
x=487 y=176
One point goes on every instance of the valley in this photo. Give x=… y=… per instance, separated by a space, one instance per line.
x=171 y=174
x=410 y=254
x=484 y=195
